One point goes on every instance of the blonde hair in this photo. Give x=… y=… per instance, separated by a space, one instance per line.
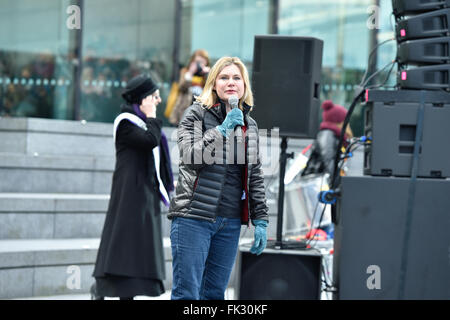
x=201 y=53
x=209 y=96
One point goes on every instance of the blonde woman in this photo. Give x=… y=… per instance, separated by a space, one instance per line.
x=220 y=185
x=190 y=84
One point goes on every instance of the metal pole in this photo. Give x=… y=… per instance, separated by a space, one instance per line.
x=273 y=22
x=78 y=65
x=373 y=42
x=176 y=41
x=283 y=159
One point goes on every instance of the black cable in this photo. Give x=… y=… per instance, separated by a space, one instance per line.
x=385 y=80
x=347 y=120
x=341 y=139
x=411 y=197
x=346 y=154
x=311 y=237
x=374 y=74
x=370 y=57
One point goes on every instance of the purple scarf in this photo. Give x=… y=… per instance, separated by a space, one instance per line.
x=139 y=112
x=164 y=144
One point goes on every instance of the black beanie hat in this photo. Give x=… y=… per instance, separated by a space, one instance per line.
x=138 y=88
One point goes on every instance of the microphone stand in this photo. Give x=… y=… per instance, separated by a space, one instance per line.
x=283 y=159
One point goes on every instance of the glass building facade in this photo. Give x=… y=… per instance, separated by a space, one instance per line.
x=49 y=68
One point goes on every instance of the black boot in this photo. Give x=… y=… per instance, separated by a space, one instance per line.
x=94 y=295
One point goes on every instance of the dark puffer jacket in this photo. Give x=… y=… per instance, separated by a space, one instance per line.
x=201 y=174
x=323 y=153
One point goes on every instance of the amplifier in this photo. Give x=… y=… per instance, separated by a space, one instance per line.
x=424 y=51
x=391 y=120
x=425 y=25
x=405 y=7
x=434 y=77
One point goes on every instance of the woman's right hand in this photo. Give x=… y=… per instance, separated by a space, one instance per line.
x=192 y=68
x=148 y=106
x=234 y=118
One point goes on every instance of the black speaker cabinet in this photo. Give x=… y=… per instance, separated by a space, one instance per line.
x=404 y=7
x=285 y=81
x=369 y=233
x=391 y=122
x=424 y=51
x=425 y=25
x=433 y=77
x=279 y=274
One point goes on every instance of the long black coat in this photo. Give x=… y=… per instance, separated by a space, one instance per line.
x=131 y=243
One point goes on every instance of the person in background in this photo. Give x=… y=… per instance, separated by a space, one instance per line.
x=214 y=198
x=323 y=151
x=191 y=82
x=130 y=258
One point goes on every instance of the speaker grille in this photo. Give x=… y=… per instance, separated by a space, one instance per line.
x=285 y=83
x=280 y=277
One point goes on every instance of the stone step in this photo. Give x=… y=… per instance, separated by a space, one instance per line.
x=68 y=174
x=68 y=216
x=81 y=138
x=44 y=136
x=45 y=269
x=56 y=216
x=48 y=267
x=87 y=296
x=48 y=216
x=60 y=137
x=55 y=174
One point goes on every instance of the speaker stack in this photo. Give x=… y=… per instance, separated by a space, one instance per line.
x=392 y=234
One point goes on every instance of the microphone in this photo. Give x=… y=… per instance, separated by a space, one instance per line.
x=233 y=101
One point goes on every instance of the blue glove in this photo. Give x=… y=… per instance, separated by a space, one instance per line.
x=260 y=237
x=234 y=118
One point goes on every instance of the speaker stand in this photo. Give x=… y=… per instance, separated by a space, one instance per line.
x=283 y=159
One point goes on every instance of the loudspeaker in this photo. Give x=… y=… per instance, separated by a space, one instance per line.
x=391 y=121
x=425 y=25
x=279 y=274
x=369 y=233
x=286 y=80
x=434 y=77
x=424 y=51
x=404 y=7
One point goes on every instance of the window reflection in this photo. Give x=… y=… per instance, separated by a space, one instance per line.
x=123 y=39
x=342 y=26
x=224 y=27
x=36 y=72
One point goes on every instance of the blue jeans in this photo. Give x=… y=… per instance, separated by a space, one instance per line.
x=203 y=255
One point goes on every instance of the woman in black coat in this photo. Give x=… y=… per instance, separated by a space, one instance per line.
x=130 y=258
